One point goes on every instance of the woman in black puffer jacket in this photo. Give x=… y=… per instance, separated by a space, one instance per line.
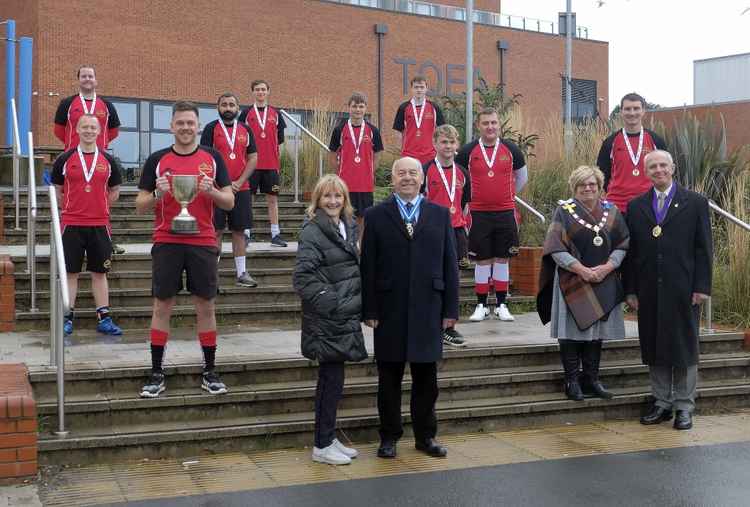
x=326 y=277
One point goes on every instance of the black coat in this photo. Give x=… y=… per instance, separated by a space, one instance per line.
x=409 y=285
x=664 y=273
x=327 y=279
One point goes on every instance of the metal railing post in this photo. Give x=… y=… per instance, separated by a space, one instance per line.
x=531 y=209
x=320 y=164
x=54 y=295
x=61 y=304
x=709 y=316
x=296 y=169
x=31 y=226
x=16 y=164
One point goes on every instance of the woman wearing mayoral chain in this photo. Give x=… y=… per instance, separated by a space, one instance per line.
x=580 y=292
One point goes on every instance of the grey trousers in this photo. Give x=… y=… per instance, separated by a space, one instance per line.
x=674 y=387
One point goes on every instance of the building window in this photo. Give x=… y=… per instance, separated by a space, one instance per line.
x=583 y=99
x=125 y=146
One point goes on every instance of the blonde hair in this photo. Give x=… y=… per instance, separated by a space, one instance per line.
x=446 y=130
x=326 y=183
x=583 y=173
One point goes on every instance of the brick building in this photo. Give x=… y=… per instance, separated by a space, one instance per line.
x=148 y=54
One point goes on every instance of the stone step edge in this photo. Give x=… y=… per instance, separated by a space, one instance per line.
x=145 y=311
x=356 y=386
x=368 y=417
x=39 y=374
x=273 y=252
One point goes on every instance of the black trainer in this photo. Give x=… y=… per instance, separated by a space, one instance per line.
x=277 y=241
x=453 y=338
x=212 y=383
x=154 y=386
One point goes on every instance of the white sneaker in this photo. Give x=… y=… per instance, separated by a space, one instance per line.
x=346 y=451
x=330 y=455
x=480 y=313
x=502 y=313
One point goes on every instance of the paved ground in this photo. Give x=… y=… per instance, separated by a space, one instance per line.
x=260 y=343
x=597 y=464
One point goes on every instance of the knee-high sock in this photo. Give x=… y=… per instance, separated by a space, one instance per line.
x=500 y=277
x=482 y=282
x=158 y=342
x=208 y=344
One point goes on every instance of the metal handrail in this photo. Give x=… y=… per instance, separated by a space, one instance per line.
x=296 y=152
x=738 y=222
x=31 y=225
x=16 y=164
x=59 y=305
x=531 y=209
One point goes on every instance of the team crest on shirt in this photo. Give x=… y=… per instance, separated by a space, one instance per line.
x=242 y=138
x=504 y=157
x=101 y=114
x=204 y=169
x=101 y=167
x=366 y=138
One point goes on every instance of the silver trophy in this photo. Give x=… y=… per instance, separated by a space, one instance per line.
x=184 y=190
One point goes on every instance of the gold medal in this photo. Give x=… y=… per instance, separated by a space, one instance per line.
x=453 y=210
x=87 y=188
x=263 y=134
x=491 y=174
x=357 y=159
x=656 y=231
x=598 y=240
x=232 y=156
x=636 y=172
x=419 y=133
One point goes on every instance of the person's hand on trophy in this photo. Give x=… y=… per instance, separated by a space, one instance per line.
x=162 y=185
x=206 y=184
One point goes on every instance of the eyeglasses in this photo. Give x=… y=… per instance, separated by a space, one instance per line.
x=586 y=185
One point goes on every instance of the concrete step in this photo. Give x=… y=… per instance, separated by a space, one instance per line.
x=124 y=298
x=190 y=437
x=140 y=235
x=124 y=221
x=142 y=278
x=139 y=317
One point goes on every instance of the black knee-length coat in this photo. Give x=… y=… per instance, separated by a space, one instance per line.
x=409 y=285
x=664 y=273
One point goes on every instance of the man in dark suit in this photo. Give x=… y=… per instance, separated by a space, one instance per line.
x=667 y=277
x=409 y=295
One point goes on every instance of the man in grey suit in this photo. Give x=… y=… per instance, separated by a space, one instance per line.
x=409 y=295
x=667 y=277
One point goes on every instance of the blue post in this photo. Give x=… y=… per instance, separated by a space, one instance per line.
x=25 y=61
x=10 y=78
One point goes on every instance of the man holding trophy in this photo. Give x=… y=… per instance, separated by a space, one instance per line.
x=181 y=184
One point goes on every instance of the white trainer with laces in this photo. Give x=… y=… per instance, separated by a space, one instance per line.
x=346 y=451
x=480 y=313
x=502 y=313
x=330 y=455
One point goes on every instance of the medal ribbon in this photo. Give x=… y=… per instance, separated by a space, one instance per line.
x=635 y=158
x=418 y=117
x=262 y=122
x=661 y=215
x=356 y=143
x=231 y=140
x=408 y=216
x=86 y=173
x=452 y=190
x=83 y=103
x=490 y=161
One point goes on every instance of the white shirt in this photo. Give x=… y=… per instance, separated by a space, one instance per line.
x=342 y=229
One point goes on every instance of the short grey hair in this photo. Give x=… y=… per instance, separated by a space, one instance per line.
x=410 y=160
x=657 y=152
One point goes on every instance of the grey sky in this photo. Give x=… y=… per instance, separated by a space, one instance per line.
x=652 y=43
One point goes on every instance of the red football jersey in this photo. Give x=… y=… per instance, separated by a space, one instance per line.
x=624 y=183
x=85 y=199
x=435 y=190
x=70 y=111
x=267 y=138
x=417 y=141
x=358 y=176
x=202 y=162
x=244 y=144
x=492 y=187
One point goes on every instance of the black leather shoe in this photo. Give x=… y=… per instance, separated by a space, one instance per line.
x=431 y=447
x=597 y=389
x=683 y=420
x=387 y=449
x=656 y=415
x=573 y=391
